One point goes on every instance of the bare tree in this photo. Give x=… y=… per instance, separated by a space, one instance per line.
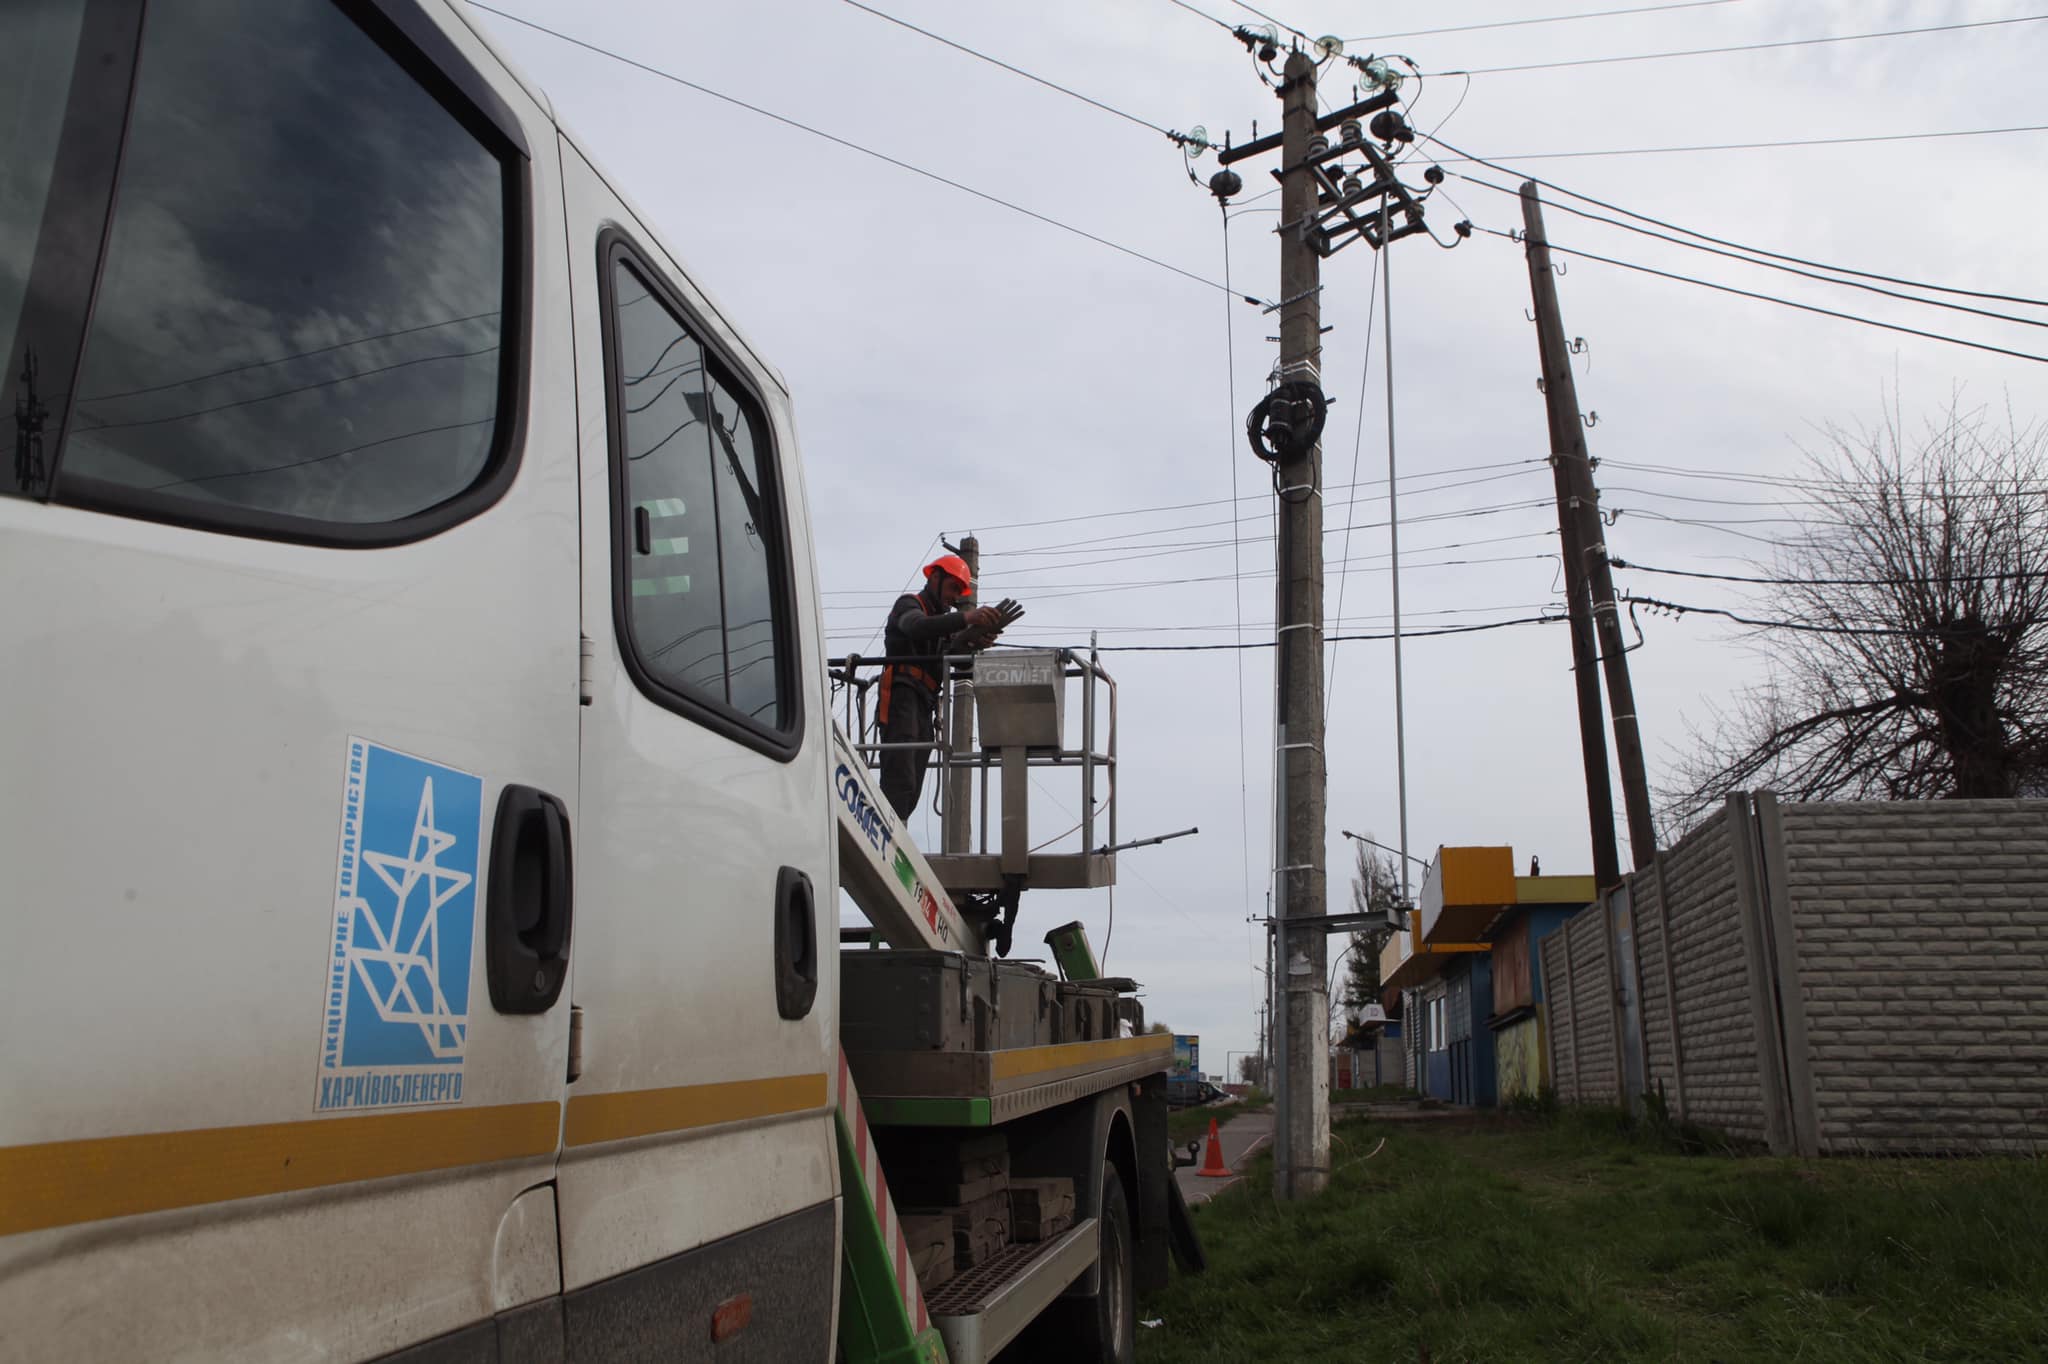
x=1375 y=888
x=1911 y=661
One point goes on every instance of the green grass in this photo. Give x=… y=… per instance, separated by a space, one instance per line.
x=1372 y=1094
x=1578 y=1237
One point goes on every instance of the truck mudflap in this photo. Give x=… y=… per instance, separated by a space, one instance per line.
x=882 y=1314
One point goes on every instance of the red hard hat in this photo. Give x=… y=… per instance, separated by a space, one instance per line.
x=952 y=565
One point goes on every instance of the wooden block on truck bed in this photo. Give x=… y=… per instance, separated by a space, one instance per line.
x=933 y=1256
x=928 y=1191
x=1040 y=1208
x=1043 y=1227
x=932 y=1171
x=978 y=1240
x=978 y=1228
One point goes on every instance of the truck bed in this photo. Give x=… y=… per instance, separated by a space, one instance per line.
x=986 y=1088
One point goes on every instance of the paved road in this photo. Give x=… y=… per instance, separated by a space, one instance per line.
x=1243 y=1137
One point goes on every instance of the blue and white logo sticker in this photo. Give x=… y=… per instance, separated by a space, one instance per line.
x=397 y=1017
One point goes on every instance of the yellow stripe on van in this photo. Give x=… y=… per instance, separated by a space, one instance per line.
x=61 y=1183
x=1008 y=1065
x=644 y=1112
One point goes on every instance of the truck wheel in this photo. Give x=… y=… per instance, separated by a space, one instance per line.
x=1106 y=1328
x=1101 y=1329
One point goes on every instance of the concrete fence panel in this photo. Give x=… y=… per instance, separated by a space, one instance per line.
x=1920 y=931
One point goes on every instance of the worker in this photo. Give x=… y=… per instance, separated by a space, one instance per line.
x=922 y=626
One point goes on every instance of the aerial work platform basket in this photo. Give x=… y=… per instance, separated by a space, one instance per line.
x=1003 y=718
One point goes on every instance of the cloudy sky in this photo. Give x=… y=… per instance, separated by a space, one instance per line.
x=962 y=367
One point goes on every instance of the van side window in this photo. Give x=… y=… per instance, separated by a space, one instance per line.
x=702 y=550
x=305 y=320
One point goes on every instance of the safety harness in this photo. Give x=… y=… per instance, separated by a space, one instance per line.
x=916 y=673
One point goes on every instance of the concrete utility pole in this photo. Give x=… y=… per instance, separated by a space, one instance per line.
x=956 y=832
x=1579 y=502
x=1302 y=1166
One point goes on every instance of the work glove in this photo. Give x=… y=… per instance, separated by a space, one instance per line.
x=1008 y=613
x=984 y=620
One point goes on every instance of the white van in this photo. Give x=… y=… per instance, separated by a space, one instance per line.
x=404 y=574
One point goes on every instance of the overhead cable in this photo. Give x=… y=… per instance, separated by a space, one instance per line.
x=1244 y=817
x=1547 y=19
x=1799 y=626
x=1832 y=484
x=1762 y=146
x=1781 y=302
x=1299 y=33
x=1751 y=47
x=1330 y=639
x=1372 y=304
x=1265 y=496
x=1765 y=264
x=835 y=139
x=1740 y=246
x=1223 y=24
x=1014 y=70
x=1107 y=541
x=1097 y=585
x=2016 y=575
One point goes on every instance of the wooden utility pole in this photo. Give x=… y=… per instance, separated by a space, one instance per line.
x=956 y=829
x=1579 y=506
x=1303 y=1143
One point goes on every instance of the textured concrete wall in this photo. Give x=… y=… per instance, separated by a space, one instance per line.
x=1921 y=934
x=1578 y=979
x=1716 y=1014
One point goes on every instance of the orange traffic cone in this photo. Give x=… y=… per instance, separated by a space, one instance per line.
x=1212 y=1161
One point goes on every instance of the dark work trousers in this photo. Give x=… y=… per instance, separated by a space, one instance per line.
x=912 y=716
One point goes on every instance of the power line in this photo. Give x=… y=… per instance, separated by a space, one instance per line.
x=1265 y=496
x=1759 y=146
x=1063 y=591
x=1223 y=24
x=1244 y=816
x=1765 y=264
x=1757 y=250
x=1799 y=626
x=1224 y=627
x=1782 y=302
x=1357 y=444
x=1146 y=551
x=2017 y=575
x=1751 y=47
x=1833 y=484
x=1271 y=20
x=1703 y=524
x=1133 y=584
x=1014 y=70
x=835 y=139
x=1330 y=639
x=1235 y=521
x=1550 y=19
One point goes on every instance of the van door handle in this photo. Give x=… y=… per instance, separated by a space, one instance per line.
x=527 y=915
x=796 y=944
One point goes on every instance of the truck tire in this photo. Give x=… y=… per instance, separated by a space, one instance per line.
x=1106 y=1326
